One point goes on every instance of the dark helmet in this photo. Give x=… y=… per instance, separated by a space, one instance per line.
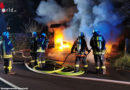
x=96 y=32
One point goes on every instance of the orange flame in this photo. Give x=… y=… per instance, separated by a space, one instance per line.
x=59 y=39
x=109 y=47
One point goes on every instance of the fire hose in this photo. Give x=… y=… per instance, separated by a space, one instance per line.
x=71 y=71
x=66 y=58
x=73 y=53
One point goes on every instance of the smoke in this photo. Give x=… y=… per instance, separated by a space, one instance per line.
x=101 y=15
x=49 y=11
x=82 y=20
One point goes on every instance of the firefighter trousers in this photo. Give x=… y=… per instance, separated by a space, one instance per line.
x=77 y=63
x=41 y=59
x=34 y=58
x=100 y=64
x=8 y=65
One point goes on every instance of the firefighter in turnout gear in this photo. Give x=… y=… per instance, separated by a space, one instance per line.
x=80 y=47
x=7 y=50
x=33 y=49
x=97 y=43
x=42 y=45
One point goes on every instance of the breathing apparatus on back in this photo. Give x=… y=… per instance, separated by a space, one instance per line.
x=98 y=38
x=79 y=42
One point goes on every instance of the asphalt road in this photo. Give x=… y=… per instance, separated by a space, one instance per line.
x=33 y=81
x=4 y=85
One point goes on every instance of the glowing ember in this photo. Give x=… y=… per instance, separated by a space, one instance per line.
x=58 y=39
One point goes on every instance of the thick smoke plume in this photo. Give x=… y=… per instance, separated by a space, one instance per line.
x=92 y=14
x=101 y=15
x=49 y=11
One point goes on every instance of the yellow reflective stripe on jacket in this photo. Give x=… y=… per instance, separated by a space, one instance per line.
x=4 y=50
x=98 y=42
x=40 y=50
x=85 y=66
x=100 y=52
x=97 y=53
x=44 y=61
x=76 y=65
x=7 y=56
x=38 y=62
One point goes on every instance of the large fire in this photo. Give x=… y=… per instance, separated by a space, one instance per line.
x=62 y=45
x=59 y=39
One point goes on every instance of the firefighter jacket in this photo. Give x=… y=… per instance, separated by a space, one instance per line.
x=7 y=48
x=80 y=46
x=33 y=45
x=42 y=44
x=97 y=43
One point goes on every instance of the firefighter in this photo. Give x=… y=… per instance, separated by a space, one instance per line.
x=80 y=47
x=7 y=50
x=33 y=48
x=42 y=45
x=97 y=43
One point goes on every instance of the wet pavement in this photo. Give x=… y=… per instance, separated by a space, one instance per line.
x=34 y=81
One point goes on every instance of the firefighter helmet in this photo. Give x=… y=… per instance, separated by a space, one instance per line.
x=43 y=34
x=34 y=34
x=96 y=32
x=81 y=34
x=5 y=34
